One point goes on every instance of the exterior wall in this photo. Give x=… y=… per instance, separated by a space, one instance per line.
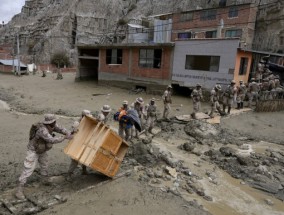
x=226 y=49
x=130 y=70
x=6 y=69
x=246 y=14
x=244 y=77
x=114 y=68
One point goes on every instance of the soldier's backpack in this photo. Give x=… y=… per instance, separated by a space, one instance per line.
x=34 y=129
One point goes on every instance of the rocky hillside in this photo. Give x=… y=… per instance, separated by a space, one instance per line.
x=48 y=26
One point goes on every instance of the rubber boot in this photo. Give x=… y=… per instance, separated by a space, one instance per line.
x=150 y=131
x=229 y=110
x=19 y=193
x=221 y=112
x=146 y=133
x=242 y=105
x=193 y=116
x=224 y=108
x=238 y=106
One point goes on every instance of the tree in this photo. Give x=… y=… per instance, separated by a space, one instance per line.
x=60 y=59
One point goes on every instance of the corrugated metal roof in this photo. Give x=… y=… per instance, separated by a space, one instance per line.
x=10 y=63
x=135 y=26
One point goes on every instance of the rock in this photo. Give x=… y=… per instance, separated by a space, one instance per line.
x=227 y=151
x=156 y=181
x=158 y=173
x=242 y=183
x=200 y=129
x=269 y=202
x=270 y=187
x=174 y=191
x=266 y=162
x=147 y=140
x=150 y=173
x=245 y=161
x=262 y=170
x=188 y=146
x=171 y=171
x=208 y=198
x=244 y=147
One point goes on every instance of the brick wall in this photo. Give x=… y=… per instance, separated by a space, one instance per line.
x=246 y=14
x=117 y=68
x=4 y=68
x=159 y=73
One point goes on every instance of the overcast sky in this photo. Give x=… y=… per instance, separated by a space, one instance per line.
x=9 y=8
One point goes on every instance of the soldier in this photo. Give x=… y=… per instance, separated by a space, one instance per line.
x=229 y=96
x=124 y=129
x=264 y=89
x=151 y=116
x=59 y=74
x=103 y=116
x=196 y=96
x=74 y=163
x=41 y=140
x=138 y=106
x=241 y=93
x=253 y=90
x=214 y=100
x=167 y=99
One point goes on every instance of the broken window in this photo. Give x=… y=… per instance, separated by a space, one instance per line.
x=208 y=15
x=243 y=66
x=234 y=33
x=114 y=56
x=203 y=63
x=187 y=16
x=150 y=58
x=184 y=35
x=210 y=34
x=233 y=12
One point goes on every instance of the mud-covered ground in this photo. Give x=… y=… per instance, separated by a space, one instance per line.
x=181 y=170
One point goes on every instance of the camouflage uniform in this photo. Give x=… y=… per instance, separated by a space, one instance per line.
x=167 y=98
x=264 y=89
x=229 y=96
x=151 y=110
x=37 y=151
x=196 y=96
x=241 y=93
x=253 y=90
x=214 y=100
x=123 y=130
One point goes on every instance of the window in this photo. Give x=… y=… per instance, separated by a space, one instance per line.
x=201 y=62
x=233 y=12
x=185 y=35
x=243 y=66
x=187 y=16
x=150 y=58
x=210 y=34
x=208 y=15
x=234 y=33
x=114 y=56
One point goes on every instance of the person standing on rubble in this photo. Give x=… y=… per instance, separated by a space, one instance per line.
x=167 y=99
x=138 y=106
x=214 y=100
x=229 y=96
x=74 y=163
x=241 y=93
x=196 y=96
x=253 y=90
x=41 y=140
x=124 y=129
x=151 y=116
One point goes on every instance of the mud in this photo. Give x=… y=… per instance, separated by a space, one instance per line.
x=182 y=169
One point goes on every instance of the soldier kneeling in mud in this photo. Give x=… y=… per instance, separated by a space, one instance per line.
x=41 y=140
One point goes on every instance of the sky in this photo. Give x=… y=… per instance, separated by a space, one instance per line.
x=9 y=8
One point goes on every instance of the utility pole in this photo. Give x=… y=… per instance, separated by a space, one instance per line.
x=18 y=53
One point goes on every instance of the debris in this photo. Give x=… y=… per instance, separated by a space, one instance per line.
x=9 y=206
x=269 y=202
x=171 y=171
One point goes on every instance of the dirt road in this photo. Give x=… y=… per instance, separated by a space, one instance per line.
x=31 y=96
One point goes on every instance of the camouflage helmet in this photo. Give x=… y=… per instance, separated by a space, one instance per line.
x=86 y=112
x=153 y=99
x=198 y=85
x=49 y=119
x=125 y=102
x=106 y=109
x=218 y=87
x=140 y=100
x=170 y=86
x=233 y=82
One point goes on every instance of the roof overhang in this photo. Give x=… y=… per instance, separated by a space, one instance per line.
x=126 y=45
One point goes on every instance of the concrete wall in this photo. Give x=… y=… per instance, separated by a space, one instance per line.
x=226 y=49
x=244 y=77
